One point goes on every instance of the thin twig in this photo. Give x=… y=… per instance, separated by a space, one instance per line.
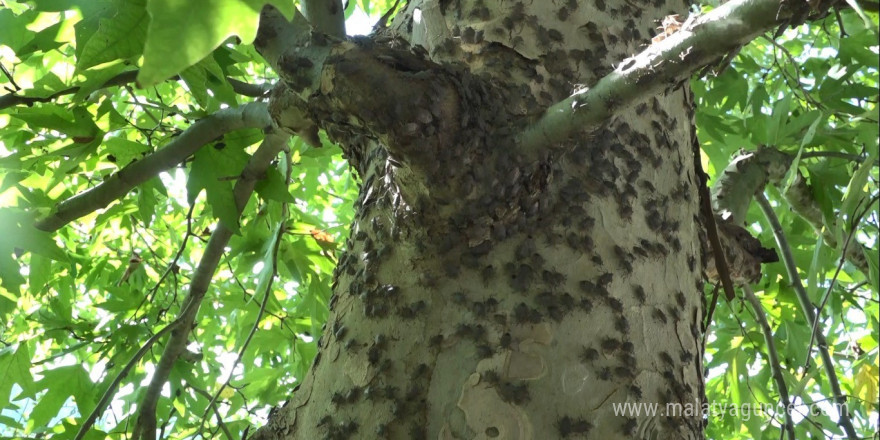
x=201 y=281
x=772 y=356
x=809 y=313
x=266 y=295
x=111 y=390
x=173 y=264
x=838 y=155
x=240 y=87
x=855 y=222
x=213 y=407
x=797 y=78
x=9 y=77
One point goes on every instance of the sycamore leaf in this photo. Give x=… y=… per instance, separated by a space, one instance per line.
x=93 y=79
x=10 y=276
x=182 y=32
x=124 y=151
x=867 y=384
x=120 y=35
x=61 y=384
x=856 y=189
x=215 y=170
x=324 y=240
x=43 y=41
x=15 y=363
x=15 y=32
x=267 y=272
x=48 y=85
x=19 y=232
x=272 y=187
x=59 y=119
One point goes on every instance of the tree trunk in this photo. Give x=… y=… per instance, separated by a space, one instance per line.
x=490 y=291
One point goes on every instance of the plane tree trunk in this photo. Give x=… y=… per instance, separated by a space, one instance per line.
x=489 y=290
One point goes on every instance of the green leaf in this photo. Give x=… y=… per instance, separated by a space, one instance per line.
x=270 y=247
x=56 y=118
x=856 y=189
x=120 y=35
x=792 y=173
x=215 y=170
x=15 y=32
x=273 y=187
x=19 y=232
x=124 y=151
x=62 y=383
x=202 y=26
x=10 y=276
x=147 y=200
x=778 y=119
x=43 y=41
x=196 y=80
x=39 y=273
x=93 y=12
x=122 y=301
x=15 y=364
x=813 y=273
x=93 y=79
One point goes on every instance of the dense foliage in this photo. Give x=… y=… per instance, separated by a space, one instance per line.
x=77 y=304
x=813 y=94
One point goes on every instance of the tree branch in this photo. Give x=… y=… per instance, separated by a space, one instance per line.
x=802 y=200
x=327 y=16
x=145 y=428
x=701 y=41
x=324 y=78
x=751 y=171
x=251 y=115
x=213 y=408
x=127 y=77
x=838 y=155
x=773 y=358
x=267 y=293
x=747 y=174
x=809 y=314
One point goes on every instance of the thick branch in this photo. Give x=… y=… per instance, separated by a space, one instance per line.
x=700 y=42
x=750 y=172
x=252 y=115
x=256 y=167
x=746 y=175
x=328 y=81
x=127 y=77
x=292 y=47
x=327 y=16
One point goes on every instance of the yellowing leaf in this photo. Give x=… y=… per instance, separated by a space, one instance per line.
x=866 y=384
x=227 y=393
x=321 y=236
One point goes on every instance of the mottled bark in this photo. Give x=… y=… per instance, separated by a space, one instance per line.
x=488 y=292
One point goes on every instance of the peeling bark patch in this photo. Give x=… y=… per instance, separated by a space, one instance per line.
x=485 y=410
